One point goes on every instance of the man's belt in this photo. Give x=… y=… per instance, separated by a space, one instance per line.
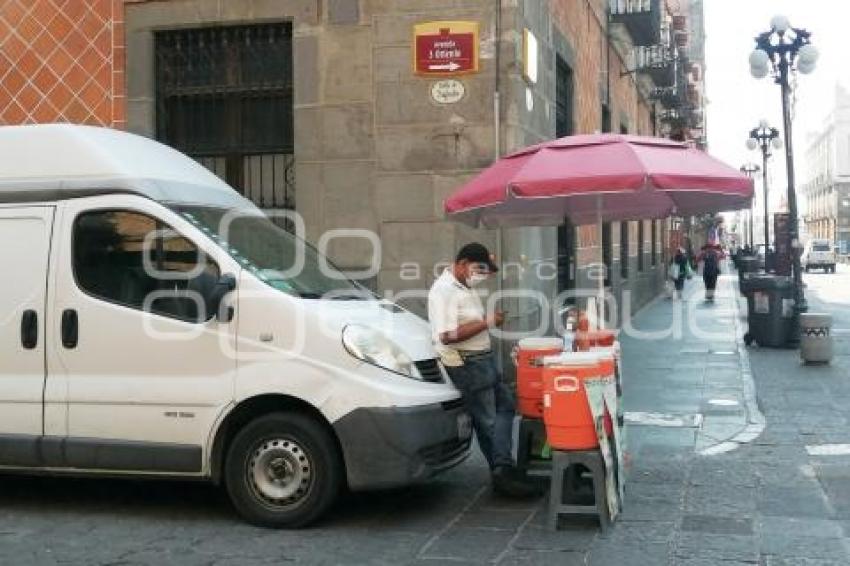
x=474 y=354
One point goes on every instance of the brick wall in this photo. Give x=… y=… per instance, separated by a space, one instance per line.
x=584 y=22
x=583 y=25
x=62 y=61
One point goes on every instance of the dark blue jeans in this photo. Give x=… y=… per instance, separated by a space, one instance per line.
x=490 y=404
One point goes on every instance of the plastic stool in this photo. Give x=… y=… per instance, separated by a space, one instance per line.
x=532 y=433
x=561 y=462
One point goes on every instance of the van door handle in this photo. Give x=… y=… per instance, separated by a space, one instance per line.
x=29 y=329
x=70 y=328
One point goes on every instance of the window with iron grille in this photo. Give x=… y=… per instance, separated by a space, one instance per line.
x=225 y=97
x=607 y=251
x=563 y=98
x=640 y=245
x=567 y=246
x=624 y=250
x=606 y=119
x=654 y=243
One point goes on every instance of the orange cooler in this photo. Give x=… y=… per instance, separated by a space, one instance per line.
x=529 y=362
x=593 y=338
x=569 y=422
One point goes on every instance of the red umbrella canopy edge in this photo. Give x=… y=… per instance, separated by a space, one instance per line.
x=599 y=177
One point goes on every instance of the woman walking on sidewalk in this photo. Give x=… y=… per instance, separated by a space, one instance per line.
x=679 y=271
x=710 y=257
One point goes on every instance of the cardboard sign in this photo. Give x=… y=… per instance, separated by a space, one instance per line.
x=445 y=48
x=601 y=397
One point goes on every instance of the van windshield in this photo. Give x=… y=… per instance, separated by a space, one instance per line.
x=821 y=248
x=274 y=255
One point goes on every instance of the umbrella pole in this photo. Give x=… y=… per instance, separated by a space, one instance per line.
x=601 y=275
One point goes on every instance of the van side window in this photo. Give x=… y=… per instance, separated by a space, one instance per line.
x=137 y=261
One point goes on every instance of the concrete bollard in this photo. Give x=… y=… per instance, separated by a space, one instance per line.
x=816 y=338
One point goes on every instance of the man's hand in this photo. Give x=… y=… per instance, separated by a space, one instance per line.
x=496 y=319
x=470 y=329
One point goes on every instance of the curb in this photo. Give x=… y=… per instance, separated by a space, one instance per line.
x=756 y=422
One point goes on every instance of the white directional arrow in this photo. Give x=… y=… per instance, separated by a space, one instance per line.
x=444 y=67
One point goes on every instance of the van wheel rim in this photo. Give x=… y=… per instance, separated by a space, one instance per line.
x=280 y=472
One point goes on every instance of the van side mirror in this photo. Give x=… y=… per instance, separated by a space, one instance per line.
x=226 y=284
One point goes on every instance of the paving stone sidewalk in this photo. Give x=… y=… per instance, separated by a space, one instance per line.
x=719 y=474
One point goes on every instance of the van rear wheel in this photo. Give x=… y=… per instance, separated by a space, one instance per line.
x=283 y=470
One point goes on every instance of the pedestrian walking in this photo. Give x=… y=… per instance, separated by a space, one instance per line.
x=679 y=271
x=461 y=333
x=710 y=257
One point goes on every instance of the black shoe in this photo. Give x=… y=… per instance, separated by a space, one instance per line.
x=507 y=482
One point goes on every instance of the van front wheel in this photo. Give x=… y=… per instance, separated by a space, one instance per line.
x=283 y=470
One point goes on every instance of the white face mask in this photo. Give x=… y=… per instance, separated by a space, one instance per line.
x=476 y=279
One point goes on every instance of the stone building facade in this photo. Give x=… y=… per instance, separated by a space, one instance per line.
x=314 y=105
x=827 y=189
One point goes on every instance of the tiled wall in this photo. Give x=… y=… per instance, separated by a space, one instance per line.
x=62 y=61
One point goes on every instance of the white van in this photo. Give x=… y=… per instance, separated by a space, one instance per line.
x=142 y=336
x=818 y=254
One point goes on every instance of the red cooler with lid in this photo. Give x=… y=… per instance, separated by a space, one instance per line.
x=529 y=362
x=566 y=412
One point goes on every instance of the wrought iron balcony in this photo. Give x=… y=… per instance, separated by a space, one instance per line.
x=683 y=117
x=642 y=19
x=667 y=96
x=657 y=61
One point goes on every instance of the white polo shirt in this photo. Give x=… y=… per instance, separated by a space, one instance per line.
x=450 y=305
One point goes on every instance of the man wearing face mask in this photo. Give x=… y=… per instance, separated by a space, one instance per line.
x=461 y=333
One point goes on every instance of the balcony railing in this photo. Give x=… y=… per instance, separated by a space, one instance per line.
x=642 y=19
x=667 y=96
x=683 y=117
x=657 y=61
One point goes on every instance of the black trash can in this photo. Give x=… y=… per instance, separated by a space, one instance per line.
x=770 y=311
x=770 y=262
x=745 y=282
x=747 y=265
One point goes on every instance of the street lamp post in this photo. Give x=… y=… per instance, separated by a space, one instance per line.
x=750 y=169
x=784 y=50
x=764 y=137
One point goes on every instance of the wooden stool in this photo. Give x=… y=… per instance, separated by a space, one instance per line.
x=562 y=461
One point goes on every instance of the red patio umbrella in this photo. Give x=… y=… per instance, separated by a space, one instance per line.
x=602 y=177
x=596 y=178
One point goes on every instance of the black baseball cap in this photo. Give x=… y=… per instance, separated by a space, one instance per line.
x=477 y=253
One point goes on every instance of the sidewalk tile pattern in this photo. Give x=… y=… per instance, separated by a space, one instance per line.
x=765 y=502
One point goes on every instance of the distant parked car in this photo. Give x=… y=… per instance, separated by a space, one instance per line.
x=819 y=254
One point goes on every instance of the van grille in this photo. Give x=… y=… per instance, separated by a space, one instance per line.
x=430 y=370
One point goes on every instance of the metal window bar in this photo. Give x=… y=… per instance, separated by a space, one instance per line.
x=630 y=6
x=225 y=97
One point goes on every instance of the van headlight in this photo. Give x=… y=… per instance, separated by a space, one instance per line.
x=373 y=347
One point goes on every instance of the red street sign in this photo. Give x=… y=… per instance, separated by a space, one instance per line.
x=446 y=48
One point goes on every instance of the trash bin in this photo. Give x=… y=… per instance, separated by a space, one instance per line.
x=747 y=265
x=770 y=311
x=770 y=261
x=745 y=282
x=816 y=338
